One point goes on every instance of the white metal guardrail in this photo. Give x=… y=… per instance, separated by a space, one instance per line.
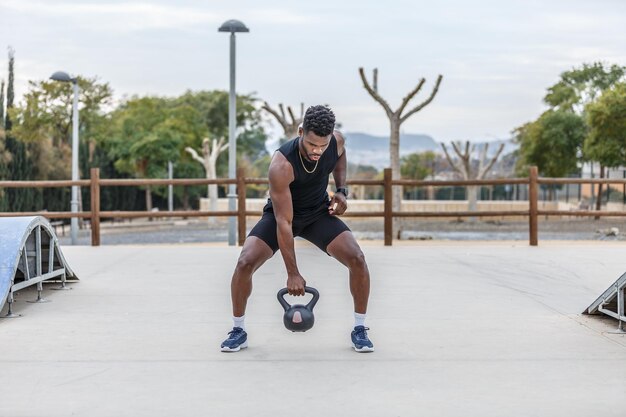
x=611 y=303
x=29 y=255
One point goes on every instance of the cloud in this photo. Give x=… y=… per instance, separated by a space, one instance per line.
x=138 y=16
x=497 y=57
x=576 y=22
x=124 y=16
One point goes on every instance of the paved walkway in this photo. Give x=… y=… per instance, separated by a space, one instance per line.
x=487 y=329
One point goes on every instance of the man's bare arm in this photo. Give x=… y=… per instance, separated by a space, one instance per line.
x=280 y=176
x=339 y=174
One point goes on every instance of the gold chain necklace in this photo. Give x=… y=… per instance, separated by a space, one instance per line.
x=302 y=161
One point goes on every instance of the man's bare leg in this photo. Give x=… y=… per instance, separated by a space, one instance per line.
x=346 y=250
x=254 y=253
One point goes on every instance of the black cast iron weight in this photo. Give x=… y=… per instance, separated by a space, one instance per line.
x=298 y=317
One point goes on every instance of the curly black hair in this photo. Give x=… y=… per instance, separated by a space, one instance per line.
x=320 y=120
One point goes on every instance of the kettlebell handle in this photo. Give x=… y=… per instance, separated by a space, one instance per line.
x=309 y=306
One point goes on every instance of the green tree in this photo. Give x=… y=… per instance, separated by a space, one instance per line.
x=5 y=156
x=176 y=124
x=606 y=117
x=581 y=86
x=19 y=167
x=418 y=166
x=251 y=143
x=147 y=134
x=42 y=123
x=10 y=89
x=606 y=141
x=46 y=111
x=567 y=100
x=552 y=143
x=212 y=107
x=2 y=104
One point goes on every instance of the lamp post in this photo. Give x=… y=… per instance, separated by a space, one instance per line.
x=233 y=26
x=64 y=77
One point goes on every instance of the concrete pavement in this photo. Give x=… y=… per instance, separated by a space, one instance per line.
x=460 y=329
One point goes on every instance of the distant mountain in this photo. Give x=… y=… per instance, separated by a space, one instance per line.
x=364 y=149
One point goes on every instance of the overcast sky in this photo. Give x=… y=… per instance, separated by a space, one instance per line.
x=497 y=57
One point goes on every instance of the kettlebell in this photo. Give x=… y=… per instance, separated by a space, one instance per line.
x=298 y=317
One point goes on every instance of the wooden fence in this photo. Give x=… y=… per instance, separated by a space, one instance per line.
x=95 y=215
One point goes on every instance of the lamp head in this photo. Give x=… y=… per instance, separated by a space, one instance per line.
x=233 y=26
x=63 y=77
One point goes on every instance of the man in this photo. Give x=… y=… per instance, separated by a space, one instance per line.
x=299 y=206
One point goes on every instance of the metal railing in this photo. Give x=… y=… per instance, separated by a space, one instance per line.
x=95 y=214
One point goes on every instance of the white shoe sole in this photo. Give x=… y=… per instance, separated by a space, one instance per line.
x=237 y=349
x=364 y=349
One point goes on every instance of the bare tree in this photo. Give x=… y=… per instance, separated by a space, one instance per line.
x=2 y=103
x=211 y=150
x=290 y=127
x=396 y=118
x=470 y=171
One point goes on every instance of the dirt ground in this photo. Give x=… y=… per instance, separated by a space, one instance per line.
x=141 y=231
x=455 y=229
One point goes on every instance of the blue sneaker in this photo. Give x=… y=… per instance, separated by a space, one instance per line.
x=237 y=340
x=360 y=341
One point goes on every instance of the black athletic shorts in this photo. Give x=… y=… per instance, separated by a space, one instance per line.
x=319 y=228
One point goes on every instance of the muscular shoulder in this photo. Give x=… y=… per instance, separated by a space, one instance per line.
x=341 y=141
x=280 y=171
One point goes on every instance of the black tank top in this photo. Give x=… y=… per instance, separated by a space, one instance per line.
x=308 y=190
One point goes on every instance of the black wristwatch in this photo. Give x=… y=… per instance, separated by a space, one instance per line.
x=342 y=190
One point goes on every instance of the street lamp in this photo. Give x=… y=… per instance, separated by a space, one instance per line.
x=233 y=26
x=65 y=78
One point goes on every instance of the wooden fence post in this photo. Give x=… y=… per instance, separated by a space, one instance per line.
x=387 y=195
x=533 y=205
x=95 y=206
x=241 y=205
